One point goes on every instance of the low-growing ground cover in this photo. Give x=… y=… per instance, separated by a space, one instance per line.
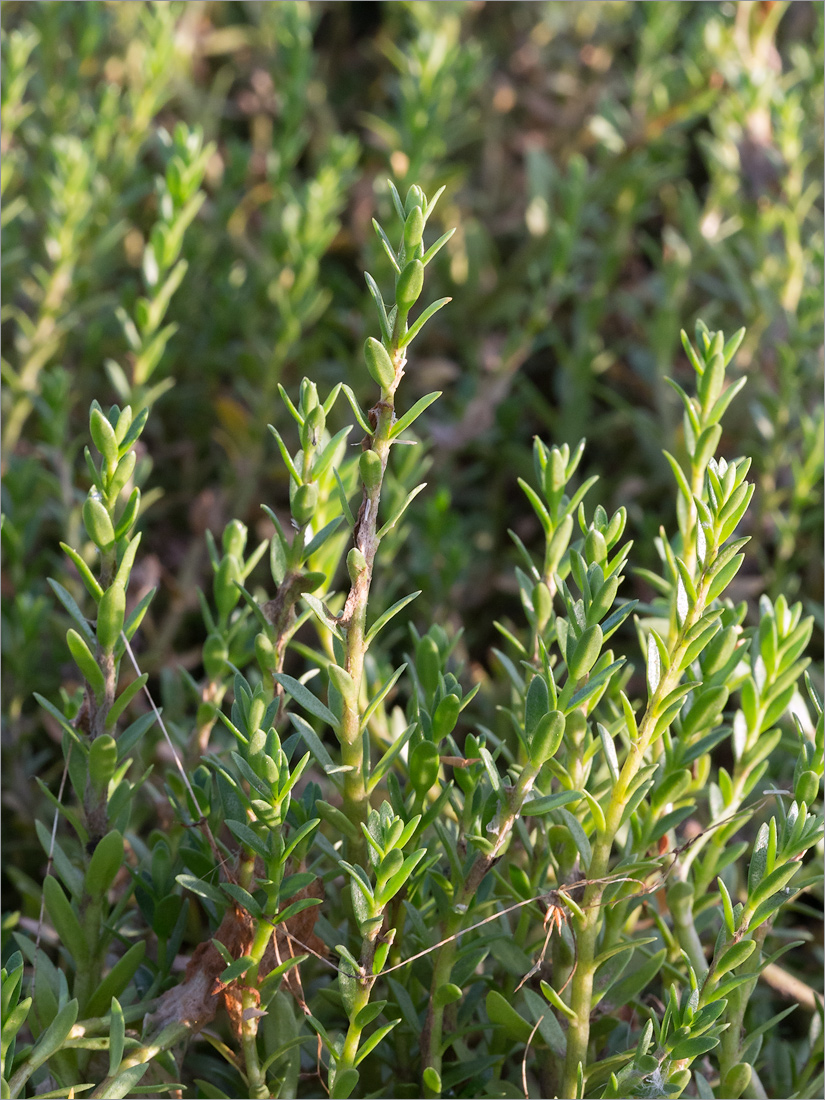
x=548 y=828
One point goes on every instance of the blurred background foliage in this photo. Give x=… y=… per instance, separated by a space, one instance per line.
x=614 y=170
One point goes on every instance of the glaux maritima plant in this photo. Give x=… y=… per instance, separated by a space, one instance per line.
x=388 y=894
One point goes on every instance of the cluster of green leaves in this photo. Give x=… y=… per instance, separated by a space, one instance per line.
x=179 y=198
x=77 y=897
x=222 y=258
x=582 y=792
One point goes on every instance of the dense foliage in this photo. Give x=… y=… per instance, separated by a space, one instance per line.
x=561 y=748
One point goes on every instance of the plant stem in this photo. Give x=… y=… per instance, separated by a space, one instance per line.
x=688 y=938
x=578 y=1035
x=731 y=1037
x=165 y=1039
x=354 y=618
x=42 y=345
x=87 y=978
x=717 y=840
x=96 y=813
x=95 y=803
x=349 y=1051
x=431 y=1039
x=255 y=1077
x=361 y=999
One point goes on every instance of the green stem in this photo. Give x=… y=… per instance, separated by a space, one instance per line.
x=431 y=1039
x=96 y=803
x=719 y=838
x=697 y=481
x=730 y=1039
x=100 y=1024
x=168 y=1037
x=42 y=346
x=351 y=1042
x=255 y=1077
x=578 y=1035
x=87 y=978
x=681 y=910
x=360 y=1001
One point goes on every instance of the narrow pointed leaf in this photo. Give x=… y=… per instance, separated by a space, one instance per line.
x=435 y=248
x=386 y=761
x=202 y=888
x=382 y=309
x=399 y=512
x=286 y=400
x=312 y=741
x=385 y=241
x=324 y=459
x=342 y=496
x=70 y=605
x=117 y=1034
x=378 y=699
x=325 y=533
x=286 y=456
x=324 y=616
x=304 y=697
x=86 y=662
x=54 y=1036
x=85 y=572
x=369 y=1046
x=357 y=410
x=418 y=408
x=538 y=506
x=382 y=620
x=421 y=321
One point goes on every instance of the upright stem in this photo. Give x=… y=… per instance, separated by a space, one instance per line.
x=95 y=804
x=96 y=812
x=703 y=875
x=87 y=978
x=354 y=618
x=578 y=1035
x=41 y=347
x=361 y=999
x=731 y=1038
x=431 y=1039
x=256 y=1078
x=697 y=480
x=688 y=938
